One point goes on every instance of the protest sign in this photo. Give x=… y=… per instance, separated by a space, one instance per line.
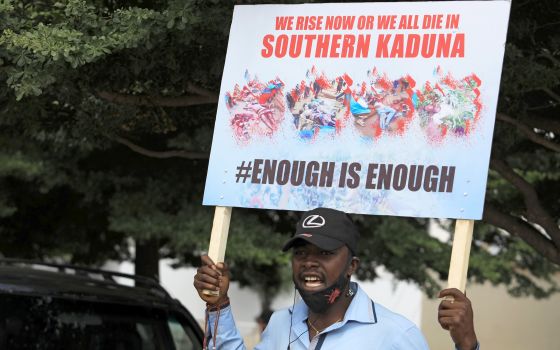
x=378 y=108
x=372 y=108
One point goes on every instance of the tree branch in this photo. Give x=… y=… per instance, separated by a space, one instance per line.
x=529 y=132
x=159 y=154
x=543 y=123
x=546 y=54
x=522 y=229
x=552 y=94
x=204 y=97
x=200 y=91
x=535 y=211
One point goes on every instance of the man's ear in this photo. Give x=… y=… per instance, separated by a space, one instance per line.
x=354 y=264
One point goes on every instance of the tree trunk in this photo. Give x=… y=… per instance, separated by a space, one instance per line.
x=147 y=258
x=266 y=303
x=266 y=297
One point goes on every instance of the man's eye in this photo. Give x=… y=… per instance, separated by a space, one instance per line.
x=326 y=252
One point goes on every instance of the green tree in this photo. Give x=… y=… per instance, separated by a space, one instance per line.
x=106 y=115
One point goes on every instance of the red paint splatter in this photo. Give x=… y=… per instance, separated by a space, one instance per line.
x=411 y=81
x=440 y=89
x=449 y=81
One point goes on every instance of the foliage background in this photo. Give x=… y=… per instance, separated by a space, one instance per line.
x=106 y=116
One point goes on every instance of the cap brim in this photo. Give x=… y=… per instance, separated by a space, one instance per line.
x=320 y=241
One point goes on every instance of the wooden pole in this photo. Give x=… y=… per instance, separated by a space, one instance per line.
x=459 y=264
x=218 y=238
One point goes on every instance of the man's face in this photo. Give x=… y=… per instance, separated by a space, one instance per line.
x=315 y=269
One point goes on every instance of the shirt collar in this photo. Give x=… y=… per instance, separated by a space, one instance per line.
x=362 y=308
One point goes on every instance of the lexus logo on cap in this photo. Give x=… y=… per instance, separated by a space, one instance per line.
x=313 y=221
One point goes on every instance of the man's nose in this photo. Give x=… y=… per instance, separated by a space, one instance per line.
x=310 y=260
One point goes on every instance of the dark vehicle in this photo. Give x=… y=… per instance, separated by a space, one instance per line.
x=59 y=307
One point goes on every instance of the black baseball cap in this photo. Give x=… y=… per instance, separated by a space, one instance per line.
x=327 y=229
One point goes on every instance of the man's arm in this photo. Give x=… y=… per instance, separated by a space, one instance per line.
x=227 y=336
x=456 y=316
x=221 y=332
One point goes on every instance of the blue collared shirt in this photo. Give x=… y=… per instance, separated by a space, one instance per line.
x=366 y=325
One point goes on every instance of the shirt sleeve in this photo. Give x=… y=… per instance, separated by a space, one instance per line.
x=275 y=334
x=411 y=339
x=227 y=335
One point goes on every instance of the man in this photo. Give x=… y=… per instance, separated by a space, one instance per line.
x=335 y=313
x=385 y=114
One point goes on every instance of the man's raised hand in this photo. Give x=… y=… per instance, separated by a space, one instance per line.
x=212 y=277
x=455 y=314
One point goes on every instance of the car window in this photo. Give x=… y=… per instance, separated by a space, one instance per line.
x=45 y=323
x=183 y=335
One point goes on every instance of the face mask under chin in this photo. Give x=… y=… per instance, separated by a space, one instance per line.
x=320 y=301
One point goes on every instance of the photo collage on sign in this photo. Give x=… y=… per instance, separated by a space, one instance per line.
x=321 y=104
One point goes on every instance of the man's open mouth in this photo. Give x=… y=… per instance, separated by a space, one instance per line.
x=312 y=282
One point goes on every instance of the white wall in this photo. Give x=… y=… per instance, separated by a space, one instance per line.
x=502 y=322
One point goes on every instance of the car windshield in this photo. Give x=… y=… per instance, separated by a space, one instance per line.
x=45 y=323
